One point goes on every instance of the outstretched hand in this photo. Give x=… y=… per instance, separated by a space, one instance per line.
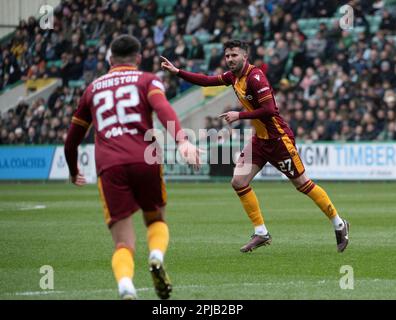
x=167 y=65
x=230 y=116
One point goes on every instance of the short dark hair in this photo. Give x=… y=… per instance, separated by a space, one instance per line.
x=125 y=46
x=236 y=44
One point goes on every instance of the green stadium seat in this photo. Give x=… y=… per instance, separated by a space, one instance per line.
x=165 y=7
x=92 y=42
x=269 y=44
x=168 y=20
x=76 y=84
x=204 y=38
x=187 y=39
x=208 y=48
x=331 y=22
x=57 y=63
x=323 y=20
x=357 y=30
x=374 y=22
x=308 y=23
x=160 y=49
x=302 y=23
x=310 y=33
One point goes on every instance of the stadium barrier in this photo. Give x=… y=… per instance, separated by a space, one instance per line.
x=323 y=161
x=43 y=163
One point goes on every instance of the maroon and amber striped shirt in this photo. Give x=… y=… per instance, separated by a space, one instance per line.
x=256 y=95
x=120 y=105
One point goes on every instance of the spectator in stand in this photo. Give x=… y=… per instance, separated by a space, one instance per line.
x=352 y=76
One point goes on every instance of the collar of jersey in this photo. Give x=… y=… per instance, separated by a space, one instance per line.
x=246 y=69
x=121 y=67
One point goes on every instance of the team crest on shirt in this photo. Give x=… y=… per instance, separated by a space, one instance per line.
x=257 y=77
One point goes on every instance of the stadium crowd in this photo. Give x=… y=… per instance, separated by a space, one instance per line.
x=331 y=84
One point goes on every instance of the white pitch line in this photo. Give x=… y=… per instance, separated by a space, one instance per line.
x=35 y=293
x=37 y=207
x=181 y=287
x=49 y=292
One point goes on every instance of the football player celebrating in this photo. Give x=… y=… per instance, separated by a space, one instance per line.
x=273 y=141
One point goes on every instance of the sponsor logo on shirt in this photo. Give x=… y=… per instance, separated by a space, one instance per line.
x=263 y=89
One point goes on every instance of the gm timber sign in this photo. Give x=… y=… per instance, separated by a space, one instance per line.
x=346 y=161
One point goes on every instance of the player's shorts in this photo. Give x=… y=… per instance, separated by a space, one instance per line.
x=280 y=152
x=124 y=189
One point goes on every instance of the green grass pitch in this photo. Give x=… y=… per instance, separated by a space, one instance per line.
x=62 y=226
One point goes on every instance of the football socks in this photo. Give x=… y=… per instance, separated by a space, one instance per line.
x=122 y=263
x=158 y=236
x=320 y=197
x=251 y=205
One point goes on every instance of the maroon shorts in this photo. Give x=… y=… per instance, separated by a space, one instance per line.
x=124 y=189
x=280 y=152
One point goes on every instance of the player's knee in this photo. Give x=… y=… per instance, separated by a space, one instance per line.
x=150 y=218
x=238 y=183
x=126 y=245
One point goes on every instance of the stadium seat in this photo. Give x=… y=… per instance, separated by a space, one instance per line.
x=76 y=84
x=187 y=39
x=374 y=22
x=310 y=32
x=204 y=38
x=207 y=49
x=168 y=20
x=57 y=63
x=165 y=7
x=269 y=44
x=160 y=49
x=92 y=42
x=308 y=23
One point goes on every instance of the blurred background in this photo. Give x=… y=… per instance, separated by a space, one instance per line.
x=332 y=85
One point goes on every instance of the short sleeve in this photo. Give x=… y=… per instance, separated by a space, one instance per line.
x=82 y=116
x=155 y=86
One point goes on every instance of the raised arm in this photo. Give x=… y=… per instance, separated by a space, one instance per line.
x=195 y=78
